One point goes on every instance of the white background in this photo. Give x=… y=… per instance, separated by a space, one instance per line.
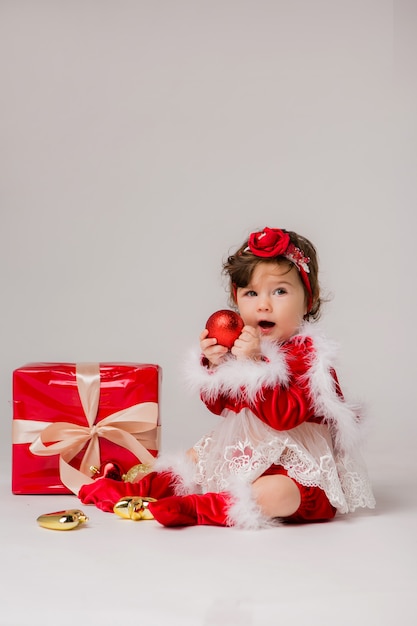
x=140 y=142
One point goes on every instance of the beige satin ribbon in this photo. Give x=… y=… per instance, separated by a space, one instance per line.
x=123 y=428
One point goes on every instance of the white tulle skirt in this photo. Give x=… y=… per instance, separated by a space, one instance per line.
x=242 y=447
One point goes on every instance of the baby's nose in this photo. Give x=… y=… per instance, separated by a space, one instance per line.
x=264 y=304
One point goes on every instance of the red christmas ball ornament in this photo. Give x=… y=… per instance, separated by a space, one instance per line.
x=225 y=326
x=107 y=470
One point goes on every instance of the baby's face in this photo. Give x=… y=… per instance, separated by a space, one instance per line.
x=274 y=301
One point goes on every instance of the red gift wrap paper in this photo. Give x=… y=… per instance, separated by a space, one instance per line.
x=69 y=417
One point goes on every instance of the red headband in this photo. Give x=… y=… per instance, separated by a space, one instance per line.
x=273 y=242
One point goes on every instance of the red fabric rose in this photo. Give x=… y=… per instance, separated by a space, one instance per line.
x=269 y=242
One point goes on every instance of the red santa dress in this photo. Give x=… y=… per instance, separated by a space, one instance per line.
x=285 y=411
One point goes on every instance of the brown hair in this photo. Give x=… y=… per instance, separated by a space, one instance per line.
x=239 y=268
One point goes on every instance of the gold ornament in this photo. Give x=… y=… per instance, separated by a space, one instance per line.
x=134 y=508
x=62 y=520
x=136 y=473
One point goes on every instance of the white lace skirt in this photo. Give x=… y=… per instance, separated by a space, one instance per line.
x=242 y=447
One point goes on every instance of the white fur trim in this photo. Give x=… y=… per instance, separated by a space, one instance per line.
x=342 y=417
x=244 y=512
x=243 y=378
x=183 y=470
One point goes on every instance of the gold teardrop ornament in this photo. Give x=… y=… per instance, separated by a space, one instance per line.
x=136 y=473
x=134 y=508
x=62 y=520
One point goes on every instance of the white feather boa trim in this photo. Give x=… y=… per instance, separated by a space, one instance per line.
x=245 y=380
x=244 y=512
x=344 y=419
x=182 y=469
x=239 y=379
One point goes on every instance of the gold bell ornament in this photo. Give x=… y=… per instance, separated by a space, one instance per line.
x=136 y=473
x=134 y=508
x=62 y=520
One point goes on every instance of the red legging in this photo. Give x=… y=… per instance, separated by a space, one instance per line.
x=314 y=506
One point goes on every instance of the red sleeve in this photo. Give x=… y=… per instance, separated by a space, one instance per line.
x=217 y=405
x=281 y=407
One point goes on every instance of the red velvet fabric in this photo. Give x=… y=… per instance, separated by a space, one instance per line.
x=192 y=510
x=314 y=506
x=105 y=492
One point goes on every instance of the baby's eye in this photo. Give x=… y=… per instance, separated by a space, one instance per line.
x=280 y=291
x=250 y=293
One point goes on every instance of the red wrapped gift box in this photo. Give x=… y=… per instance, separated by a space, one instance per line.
x=68 y=418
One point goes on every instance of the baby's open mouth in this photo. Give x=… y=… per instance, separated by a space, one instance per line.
x=265 y=324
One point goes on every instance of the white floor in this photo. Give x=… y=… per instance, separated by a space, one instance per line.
x=358 y=569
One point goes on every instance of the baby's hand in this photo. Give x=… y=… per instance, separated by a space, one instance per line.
x=248 y=345
x=213 y=352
